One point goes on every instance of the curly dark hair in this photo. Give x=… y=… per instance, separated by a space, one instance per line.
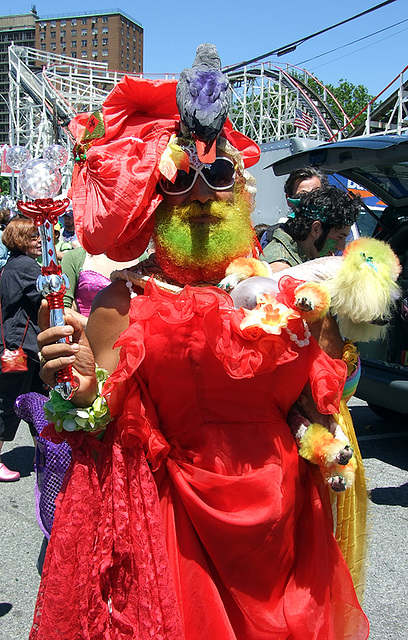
x=304 y=173
x=333 y=207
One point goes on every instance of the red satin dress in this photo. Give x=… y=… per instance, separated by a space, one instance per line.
x=249 y=541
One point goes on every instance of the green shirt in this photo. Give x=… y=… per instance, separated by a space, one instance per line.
x=71 y=264
x=283 y=248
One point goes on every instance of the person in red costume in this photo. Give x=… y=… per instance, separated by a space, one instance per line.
x=192 y=516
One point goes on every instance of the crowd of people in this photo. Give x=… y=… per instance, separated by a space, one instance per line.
x=187 y=511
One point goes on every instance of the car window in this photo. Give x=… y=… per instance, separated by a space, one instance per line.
x=393 y=178
x=366 y=223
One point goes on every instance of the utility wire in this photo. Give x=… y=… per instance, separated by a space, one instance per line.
x=372 y=44
x=320 y=55
x=293 y=45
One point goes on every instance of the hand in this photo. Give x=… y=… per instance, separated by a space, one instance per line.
x=57 y=355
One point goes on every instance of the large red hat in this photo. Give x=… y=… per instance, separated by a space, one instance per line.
x=113 y=189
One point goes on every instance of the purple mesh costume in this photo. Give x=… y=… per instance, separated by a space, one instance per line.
x=52 y=460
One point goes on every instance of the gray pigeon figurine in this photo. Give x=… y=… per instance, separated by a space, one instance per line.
x=203 y=94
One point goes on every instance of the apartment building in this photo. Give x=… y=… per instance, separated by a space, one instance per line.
x=19 y=29
x=105 y=36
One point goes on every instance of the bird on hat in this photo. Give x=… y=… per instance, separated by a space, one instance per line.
x=203 y=95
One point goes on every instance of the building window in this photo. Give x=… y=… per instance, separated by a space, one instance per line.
x=94 y=54
x=73 y=44
x=127 y=67
x=43 y=46
x=105 y=52
x=84 y=32
x=53 y=35
x=73 y=32
x=84 y=43
x=53 y=46
x=95 y=42
x=63 y=44
x=63 y=23
x=94 y=20
x=127 y=57
x=73 y=54
x=43 y=25
x=73 y=22
x=62 y=34
x=121 y=41
x=53 y=23
x=106 y=30
x=84 y=54
x=42 y=36
x=104 y=41
x=94 y=32
x=104 y=18
x=83 y=21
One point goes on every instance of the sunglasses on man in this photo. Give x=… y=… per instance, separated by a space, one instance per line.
x=219 y=176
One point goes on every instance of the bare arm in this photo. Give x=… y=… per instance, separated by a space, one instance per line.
x=327 y=334
x=279 y=266
x=108 y=319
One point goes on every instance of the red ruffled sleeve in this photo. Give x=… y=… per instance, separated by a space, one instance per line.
x=327 y=379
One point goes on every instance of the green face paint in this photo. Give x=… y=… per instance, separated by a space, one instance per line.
x=329 y=248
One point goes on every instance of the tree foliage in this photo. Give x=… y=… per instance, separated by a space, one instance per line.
x=4 y=185
x=353 y=98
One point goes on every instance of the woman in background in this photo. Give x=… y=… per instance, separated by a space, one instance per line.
x=20 y=302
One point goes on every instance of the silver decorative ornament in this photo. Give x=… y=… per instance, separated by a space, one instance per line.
x=39 y=179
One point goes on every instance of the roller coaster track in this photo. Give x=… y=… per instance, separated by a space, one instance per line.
x=266 y=96
x=391 y=116
x=48 y=90
x=48 y=87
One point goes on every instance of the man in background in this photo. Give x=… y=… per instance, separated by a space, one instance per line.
x=299 y=181
x=318 y=226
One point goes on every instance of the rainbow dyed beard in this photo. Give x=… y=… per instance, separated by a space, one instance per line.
x=199 y=252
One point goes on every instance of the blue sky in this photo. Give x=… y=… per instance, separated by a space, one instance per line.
x=245 y=29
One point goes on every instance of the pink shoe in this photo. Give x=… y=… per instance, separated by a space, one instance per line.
x=6 y=475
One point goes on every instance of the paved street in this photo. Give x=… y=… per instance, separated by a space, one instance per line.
x=385 y=452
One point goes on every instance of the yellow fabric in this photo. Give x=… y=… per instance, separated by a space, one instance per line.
x=350 y=511
x=350 y=357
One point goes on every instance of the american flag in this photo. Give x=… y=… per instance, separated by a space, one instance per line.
x=302 y=120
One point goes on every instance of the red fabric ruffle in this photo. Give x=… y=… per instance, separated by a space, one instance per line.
x=106 y=574
x=242 y=355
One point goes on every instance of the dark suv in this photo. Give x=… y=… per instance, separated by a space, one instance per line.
x=379 y=164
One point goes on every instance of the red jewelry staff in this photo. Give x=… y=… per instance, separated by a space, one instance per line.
x=38 y=178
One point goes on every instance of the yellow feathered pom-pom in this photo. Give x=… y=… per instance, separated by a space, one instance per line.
x=312 y=300
x=247 y=268
x=320 y=447
x=364 y=289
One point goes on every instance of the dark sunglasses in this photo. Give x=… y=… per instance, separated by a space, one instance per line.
x=220 y=176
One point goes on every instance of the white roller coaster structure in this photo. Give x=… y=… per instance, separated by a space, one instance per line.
x=47 y=90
